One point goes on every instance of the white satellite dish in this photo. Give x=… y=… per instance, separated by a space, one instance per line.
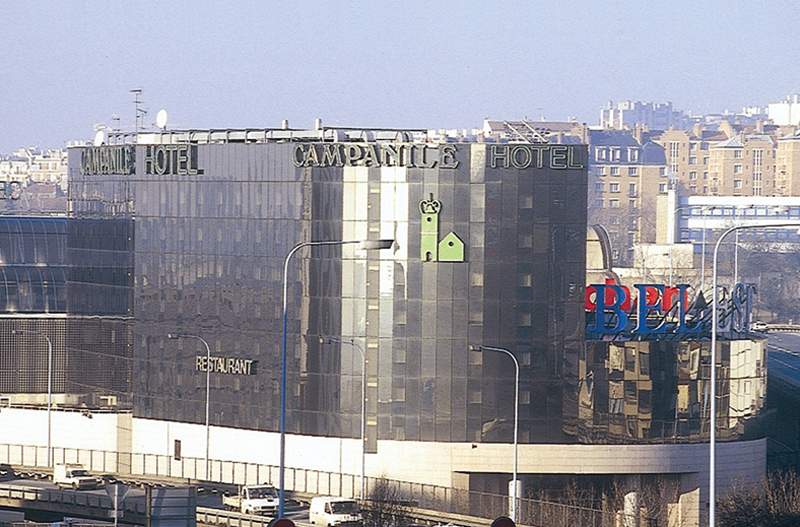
x=100 y=137
x=161 y=119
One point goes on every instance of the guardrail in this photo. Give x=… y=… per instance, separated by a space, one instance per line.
x=208 y=516
x=431 y=502
x=784 y=328
x=68 y=501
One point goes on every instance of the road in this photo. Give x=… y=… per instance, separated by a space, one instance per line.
x=208 y=497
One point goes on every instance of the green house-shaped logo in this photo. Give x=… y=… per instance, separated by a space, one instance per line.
x=449 y=249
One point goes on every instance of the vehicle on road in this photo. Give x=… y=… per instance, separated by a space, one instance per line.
x=759 y=325
x=329 y=511
x=75 y=476
x=253 y=499
x=6 y=472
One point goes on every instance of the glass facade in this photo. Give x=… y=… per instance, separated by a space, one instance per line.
x=33 y=265
x=490 y=250
x=91 y=355
x=639 y=392
x=208 y=254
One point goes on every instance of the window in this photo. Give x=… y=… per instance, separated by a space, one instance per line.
x=615 y=171
x=633 y=205
x=705 y=175
x=633 y=171
x=737 y=169
x=737 y=183
x=737 y=154
x=615 y=153
x=693 y=188
x=633 y=155
x=613 y=203
x=692 y=160
x=632 y=189
x=705 y=160
x=662 y=187
x=600 y=153
x=601 y=171
x=613 y=187
x=599 y=187
x=662 y=171
x=693 y=176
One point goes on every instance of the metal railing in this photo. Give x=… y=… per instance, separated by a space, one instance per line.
x=427 y=499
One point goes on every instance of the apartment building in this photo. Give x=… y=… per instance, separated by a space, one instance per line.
x=654 y=116
x=626 y=175
x=687 y=158
x=787 y=165
x=743 y=165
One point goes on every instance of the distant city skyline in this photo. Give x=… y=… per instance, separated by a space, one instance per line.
x=409 y=64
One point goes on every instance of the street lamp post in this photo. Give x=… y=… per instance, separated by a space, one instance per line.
x=514 y=497
x=713 y=380
x=176 y=336
x=49 y=389
x=355 y=346
x=363 y=244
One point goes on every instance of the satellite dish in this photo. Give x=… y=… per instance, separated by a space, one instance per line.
x=99 y=137
x=161 y=119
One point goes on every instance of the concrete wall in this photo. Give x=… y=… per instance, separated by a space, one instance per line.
x=442 y=464
x=69 y=429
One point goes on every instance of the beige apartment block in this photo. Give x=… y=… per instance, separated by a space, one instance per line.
x=744 y=165
x=687 y=157
x=625 y=178
x=787 y=165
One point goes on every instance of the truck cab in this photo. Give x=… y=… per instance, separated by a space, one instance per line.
x=253 y=499
x=330 y=511
x=75 y=476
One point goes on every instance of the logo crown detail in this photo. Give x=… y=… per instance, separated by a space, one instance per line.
x=430 y=205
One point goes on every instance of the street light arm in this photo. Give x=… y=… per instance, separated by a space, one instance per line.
x=713 y=352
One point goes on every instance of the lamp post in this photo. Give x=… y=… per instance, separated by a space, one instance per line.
x=363 y=244
x=703 y=254
x=176 y=336
x=355 y=346
x=514 y=497
x=49 y=389
x=713 y=380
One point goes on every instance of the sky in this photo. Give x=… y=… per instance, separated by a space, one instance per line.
x=68 y=65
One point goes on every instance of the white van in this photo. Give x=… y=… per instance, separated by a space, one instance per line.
x=328 y=511
x=75 y=476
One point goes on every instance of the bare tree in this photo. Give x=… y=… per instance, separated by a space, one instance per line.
x=386 y=506
x=775 y=502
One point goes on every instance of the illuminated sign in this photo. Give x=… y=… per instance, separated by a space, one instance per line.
x=375 y=155
x=229 y=365
x=659 y=312
x=431 y=249
x=108 y=160
x=171 y=160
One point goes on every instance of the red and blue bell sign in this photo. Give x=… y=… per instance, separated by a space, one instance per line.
x=661 y=312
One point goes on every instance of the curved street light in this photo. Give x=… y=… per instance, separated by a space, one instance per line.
x=514 y=497
x=176 y=336
x=352 y=342
x=362 y=244
x=713 y=389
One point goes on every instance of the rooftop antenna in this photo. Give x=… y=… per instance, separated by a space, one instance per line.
x=137 y=92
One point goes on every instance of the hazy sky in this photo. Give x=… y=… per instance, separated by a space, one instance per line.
x=69 y=65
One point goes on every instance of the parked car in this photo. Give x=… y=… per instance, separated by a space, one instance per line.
x=758 y=325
